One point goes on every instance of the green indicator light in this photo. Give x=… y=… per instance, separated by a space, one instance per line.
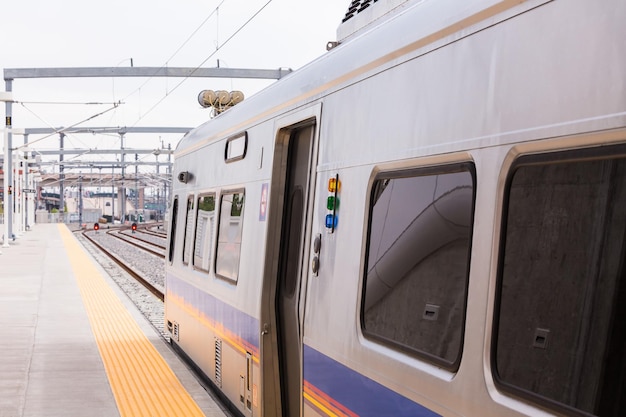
x=332 y=203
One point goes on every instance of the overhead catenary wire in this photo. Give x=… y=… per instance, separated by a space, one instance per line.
x=62 y=130
x=86 y=103
x=218 y=48
x=115 y=104
x=213 y=12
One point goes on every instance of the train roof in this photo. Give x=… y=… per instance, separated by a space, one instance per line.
x=417 y=25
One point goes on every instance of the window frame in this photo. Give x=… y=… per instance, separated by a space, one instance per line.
x=408 y=172
x=212 y=248
x=543 y=158
x=220 y=214
x=238 y=156
x=189 y=245
x=173 y=225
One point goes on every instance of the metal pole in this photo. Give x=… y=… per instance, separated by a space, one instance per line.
x=14 y=192
x=112 y=196
x=168 y=178
x=61 y=180
x=123 y=193
x=158 y=202
x=19 y=192
x=26 y=167
x=80 y=201
x=136 y=189
x=8 y=165
x=7 y=207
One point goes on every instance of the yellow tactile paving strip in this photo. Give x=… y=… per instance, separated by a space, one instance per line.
x=142 y=382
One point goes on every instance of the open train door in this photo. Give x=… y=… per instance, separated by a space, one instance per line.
x=286 y=269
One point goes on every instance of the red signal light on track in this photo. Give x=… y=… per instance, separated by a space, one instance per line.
x=134 y=227
x=96 y=226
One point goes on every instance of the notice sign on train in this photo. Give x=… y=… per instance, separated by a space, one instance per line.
x=263 y=205
x=29 y=190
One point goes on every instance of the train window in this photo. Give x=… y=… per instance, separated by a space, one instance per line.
x=205 y=227
x=559 y=338
x=418 y=252
x=236 y=147
x=188 y=230
x=170 y=255
x=229 y=235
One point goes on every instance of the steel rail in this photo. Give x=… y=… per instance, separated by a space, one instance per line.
x=154 y=290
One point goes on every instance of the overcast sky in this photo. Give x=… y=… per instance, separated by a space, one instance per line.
x=154 y=33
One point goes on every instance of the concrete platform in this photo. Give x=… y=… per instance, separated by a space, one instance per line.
x=51 y=360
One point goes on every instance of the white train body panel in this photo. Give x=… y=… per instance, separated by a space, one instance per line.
x=473 y=95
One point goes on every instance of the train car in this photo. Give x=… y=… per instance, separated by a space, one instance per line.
x=429 y=219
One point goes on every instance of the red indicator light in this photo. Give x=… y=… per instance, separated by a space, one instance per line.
x=96 y=226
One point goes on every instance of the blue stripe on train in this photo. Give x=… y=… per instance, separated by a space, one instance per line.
x=356 y=392
x=237 y=322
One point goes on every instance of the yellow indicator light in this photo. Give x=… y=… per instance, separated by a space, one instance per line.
x=334 y=185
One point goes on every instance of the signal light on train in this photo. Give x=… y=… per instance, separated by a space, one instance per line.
x=331 y=221
x=332 y=203
x=334 y=185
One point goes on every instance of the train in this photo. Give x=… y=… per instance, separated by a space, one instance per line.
x=427 y=220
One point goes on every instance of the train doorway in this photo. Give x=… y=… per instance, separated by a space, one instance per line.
x=285 y=282
x=291 y=268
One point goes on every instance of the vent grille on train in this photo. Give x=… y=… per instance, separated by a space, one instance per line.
x=172 y=327
x=363 y=14
x=218 y=362
x=357 y=6
x=175 y=334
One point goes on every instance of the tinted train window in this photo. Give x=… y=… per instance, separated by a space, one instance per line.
x=188 y=231
x=229 y=235
x=173 y=229
x=418 y=254
x=205 y=229
x=559 y=322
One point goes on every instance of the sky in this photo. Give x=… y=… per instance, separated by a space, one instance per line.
x=256 y=34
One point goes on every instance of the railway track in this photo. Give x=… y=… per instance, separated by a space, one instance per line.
x=129 y=259
x=135 y=239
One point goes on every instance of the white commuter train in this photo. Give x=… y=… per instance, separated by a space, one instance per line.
x=427 y=220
